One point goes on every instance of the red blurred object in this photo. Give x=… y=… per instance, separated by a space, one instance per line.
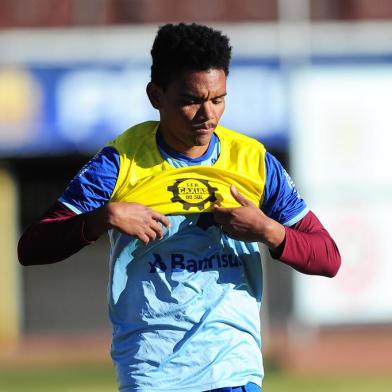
x=350 y=9
x=35 y=13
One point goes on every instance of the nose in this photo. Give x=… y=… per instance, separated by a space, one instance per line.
x=206 y=110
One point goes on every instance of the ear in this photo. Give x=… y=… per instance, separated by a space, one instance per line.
x=154 y=94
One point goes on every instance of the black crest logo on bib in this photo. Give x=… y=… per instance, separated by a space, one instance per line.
x=192 y=192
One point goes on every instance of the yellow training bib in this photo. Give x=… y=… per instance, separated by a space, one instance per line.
x=145 y=177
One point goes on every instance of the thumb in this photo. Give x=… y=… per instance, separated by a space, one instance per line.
x=238 y=197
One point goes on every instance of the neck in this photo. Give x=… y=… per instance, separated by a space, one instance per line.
x=190 y=152
x=194 y=152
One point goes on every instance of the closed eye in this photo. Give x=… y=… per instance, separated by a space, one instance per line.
x=189 y=102
x=217 y=101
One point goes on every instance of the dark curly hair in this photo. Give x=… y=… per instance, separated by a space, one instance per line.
x=187 y=47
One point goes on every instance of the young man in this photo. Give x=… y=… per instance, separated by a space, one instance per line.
x=185 y=201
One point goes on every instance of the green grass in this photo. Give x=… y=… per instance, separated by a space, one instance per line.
x=100 y=378
x=278 y=382
x=82 y=378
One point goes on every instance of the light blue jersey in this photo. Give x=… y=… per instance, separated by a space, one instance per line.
x=185 y=309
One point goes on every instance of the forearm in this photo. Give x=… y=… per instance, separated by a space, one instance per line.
x=272 y=234
x=58 y=234
x=309 y=248
x=97 y=222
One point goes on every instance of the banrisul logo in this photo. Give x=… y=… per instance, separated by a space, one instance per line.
x=178 y=262
x=192 y=193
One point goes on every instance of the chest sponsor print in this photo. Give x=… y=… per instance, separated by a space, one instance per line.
x=177 y=262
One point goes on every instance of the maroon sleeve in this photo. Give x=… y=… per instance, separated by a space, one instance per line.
x=57 y=235
x=309 y=248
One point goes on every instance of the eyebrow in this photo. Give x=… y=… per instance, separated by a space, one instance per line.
x=190 y=96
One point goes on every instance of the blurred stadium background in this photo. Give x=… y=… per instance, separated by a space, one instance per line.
x=312 y=79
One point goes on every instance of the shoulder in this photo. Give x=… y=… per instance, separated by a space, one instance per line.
x=94 y=183
x=134 y=136
x=239 y=139
x=282 y=200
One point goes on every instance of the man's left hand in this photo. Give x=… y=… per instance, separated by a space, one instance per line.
x=248 y=222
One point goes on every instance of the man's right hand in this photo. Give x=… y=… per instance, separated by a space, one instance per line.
x=132 y=219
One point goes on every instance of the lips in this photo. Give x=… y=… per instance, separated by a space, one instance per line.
x=204 y=127
x=202 y=131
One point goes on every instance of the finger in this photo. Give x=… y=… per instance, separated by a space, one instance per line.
x=222 y=216
x=222 y=210
x=227 y=229
x=157 y=227
x=151 y=234
x=238 y=197
x=232 y=233
x=161 y=218
x=143 y=238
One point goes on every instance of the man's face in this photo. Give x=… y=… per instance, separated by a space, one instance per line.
x=190 y=109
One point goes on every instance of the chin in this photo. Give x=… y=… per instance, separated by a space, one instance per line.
x=202 y=140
